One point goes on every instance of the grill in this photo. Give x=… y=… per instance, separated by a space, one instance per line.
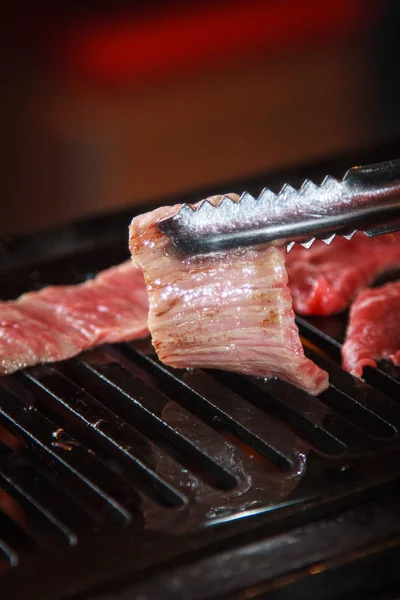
x=121 y=478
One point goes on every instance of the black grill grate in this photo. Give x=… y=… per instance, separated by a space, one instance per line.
x=113 y=465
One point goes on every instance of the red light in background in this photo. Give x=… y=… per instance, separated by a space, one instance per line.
x=131 y=47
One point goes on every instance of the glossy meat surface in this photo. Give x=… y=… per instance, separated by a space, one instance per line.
x=60 y=321
x=324 y=279
x=231 y=310
x=373 y=332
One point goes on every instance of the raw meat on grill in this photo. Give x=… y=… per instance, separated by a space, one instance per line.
x=373 y=331
x=231 y=310
x=60 y=321
x=324 y=279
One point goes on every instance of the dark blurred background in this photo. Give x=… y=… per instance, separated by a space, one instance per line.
x=106 y=104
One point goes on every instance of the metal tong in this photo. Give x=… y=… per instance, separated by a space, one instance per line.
x=366 y=199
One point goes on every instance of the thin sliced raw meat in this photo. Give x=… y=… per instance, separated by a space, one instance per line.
x=60 y=321
x=324 y=279
x=231 y=310
x=373 y=332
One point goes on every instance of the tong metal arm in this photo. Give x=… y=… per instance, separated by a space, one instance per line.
x=366 y=199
